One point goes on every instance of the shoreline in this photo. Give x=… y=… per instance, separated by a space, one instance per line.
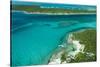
x=52 y=13
x=74 y=50
x=56 y=57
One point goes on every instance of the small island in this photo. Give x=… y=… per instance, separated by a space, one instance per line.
x=35 y=9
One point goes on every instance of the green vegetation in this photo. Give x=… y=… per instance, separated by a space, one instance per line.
x=30 y=8
x=63 y=57
x=88 y=38
x=81 y=57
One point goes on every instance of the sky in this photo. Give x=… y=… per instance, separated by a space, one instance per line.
x=84 y=2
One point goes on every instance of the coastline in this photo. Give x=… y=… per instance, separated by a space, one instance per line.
x=52 y=14
x=56 y=57
x=74 y=54
x=39 y=13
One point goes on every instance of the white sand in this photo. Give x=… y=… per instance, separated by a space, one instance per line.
x=79 y=48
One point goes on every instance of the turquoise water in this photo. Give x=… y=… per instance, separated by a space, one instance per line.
x=35 y=37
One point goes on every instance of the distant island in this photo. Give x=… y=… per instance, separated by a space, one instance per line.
x=35 y=9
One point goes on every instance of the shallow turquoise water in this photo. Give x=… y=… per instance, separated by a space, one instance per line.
x=35 y=37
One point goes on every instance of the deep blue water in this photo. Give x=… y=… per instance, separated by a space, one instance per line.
x=35 y=37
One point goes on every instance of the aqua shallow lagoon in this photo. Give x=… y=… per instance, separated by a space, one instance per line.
x=36 y=37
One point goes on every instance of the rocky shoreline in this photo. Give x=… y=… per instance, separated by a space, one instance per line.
x=74 y=52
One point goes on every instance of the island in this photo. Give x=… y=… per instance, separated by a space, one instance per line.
x=35 y=9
